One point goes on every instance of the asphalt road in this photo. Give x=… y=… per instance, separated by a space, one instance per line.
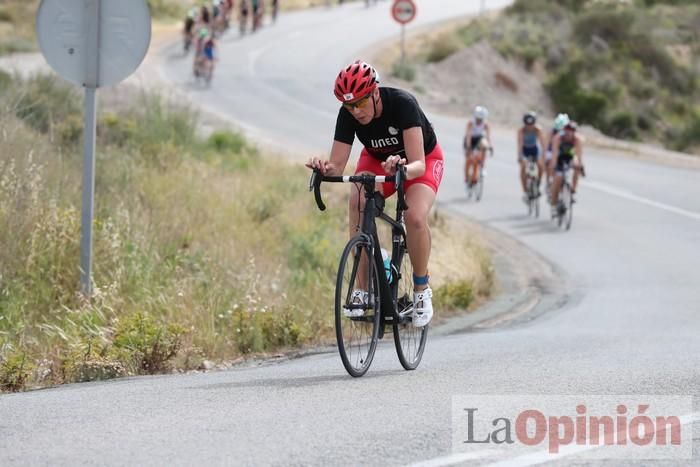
x=617 y=310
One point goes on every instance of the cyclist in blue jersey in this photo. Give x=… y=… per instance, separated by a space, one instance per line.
x=530 y=147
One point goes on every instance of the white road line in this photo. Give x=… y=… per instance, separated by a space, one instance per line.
x=454 y=459
x=544 y=456
x=639 y=199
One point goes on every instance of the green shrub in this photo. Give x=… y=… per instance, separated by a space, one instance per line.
x=46 y=101
x=166 y=9
x=146 y=345
x=5 y=81
x=689 y=137
x=13 y=45
x=610 y=24
x=586 y=106
x=15 y=369
x=475 y=31
x=441 y=48
x=116 y=130
x=5 y=15
x=622 y=124
x=89 y=361
x=403 y=71
x=227 y=141
x=455 y=295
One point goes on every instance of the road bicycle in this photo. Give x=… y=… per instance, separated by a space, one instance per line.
x=476 y=189
x=564 y=213
x=373 y=292
x=532 y=187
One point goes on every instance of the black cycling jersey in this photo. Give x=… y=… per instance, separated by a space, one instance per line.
x=566 y=149
x=383 y=136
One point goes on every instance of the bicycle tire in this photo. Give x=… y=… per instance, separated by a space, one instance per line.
x=479 y=187
x=408 y=339
x=357 y=356
x=569 y=207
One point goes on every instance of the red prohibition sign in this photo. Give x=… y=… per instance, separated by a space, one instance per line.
x=403 y=11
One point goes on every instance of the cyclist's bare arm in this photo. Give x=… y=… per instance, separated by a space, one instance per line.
x=468 y=133
x=578 y=148
x=340 y=153
x=520 y=143
x=540 y=137
x=415 y=154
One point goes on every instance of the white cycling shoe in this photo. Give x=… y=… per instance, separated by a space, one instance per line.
x=358 y=297
x=422 y=307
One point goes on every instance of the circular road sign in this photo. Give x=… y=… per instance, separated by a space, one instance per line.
x=63 y=30
x=403 y=11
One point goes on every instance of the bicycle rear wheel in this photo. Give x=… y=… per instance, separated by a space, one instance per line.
x=409 y=340
x=357 y=336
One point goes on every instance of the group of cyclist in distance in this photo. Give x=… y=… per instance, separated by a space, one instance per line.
x=202 y=27
x=553 y=152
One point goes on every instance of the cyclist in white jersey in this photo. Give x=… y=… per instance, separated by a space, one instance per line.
x=477 y=139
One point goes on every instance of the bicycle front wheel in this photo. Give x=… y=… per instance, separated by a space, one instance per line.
x=568 y=202
x=409 y=339
x=357 y=307
x=480 y=186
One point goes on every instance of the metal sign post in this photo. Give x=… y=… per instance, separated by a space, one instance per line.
x=403 y=11
x=403 y=44
x=92 y=70
x=92 y=43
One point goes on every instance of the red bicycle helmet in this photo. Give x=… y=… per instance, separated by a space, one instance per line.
x=355 y=81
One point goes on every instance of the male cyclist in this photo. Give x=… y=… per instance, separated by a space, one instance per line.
x=529 y=135
x=567 y=148
x=394 y=131
x=477 y=138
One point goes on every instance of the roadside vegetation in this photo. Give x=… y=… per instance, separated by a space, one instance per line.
x=204 y=249
x=631 y=69
x=17 y=18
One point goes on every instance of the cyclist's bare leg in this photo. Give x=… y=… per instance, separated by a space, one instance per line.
x=420 y=199
x=523 y=175
x=356 y=206
x=479 y=160
x=466 y=166
x=556 y=186
x=577 y=171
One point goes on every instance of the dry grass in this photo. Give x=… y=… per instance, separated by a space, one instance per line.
x=203 y=248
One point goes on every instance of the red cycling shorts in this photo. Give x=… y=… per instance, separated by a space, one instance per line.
x=434 y=166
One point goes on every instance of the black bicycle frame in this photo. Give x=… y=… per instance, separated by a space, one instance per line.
x=374 y=207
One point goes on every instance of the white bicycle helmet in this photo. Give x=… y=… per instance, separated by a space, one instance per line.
x=560 y=121
x=481 y=113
